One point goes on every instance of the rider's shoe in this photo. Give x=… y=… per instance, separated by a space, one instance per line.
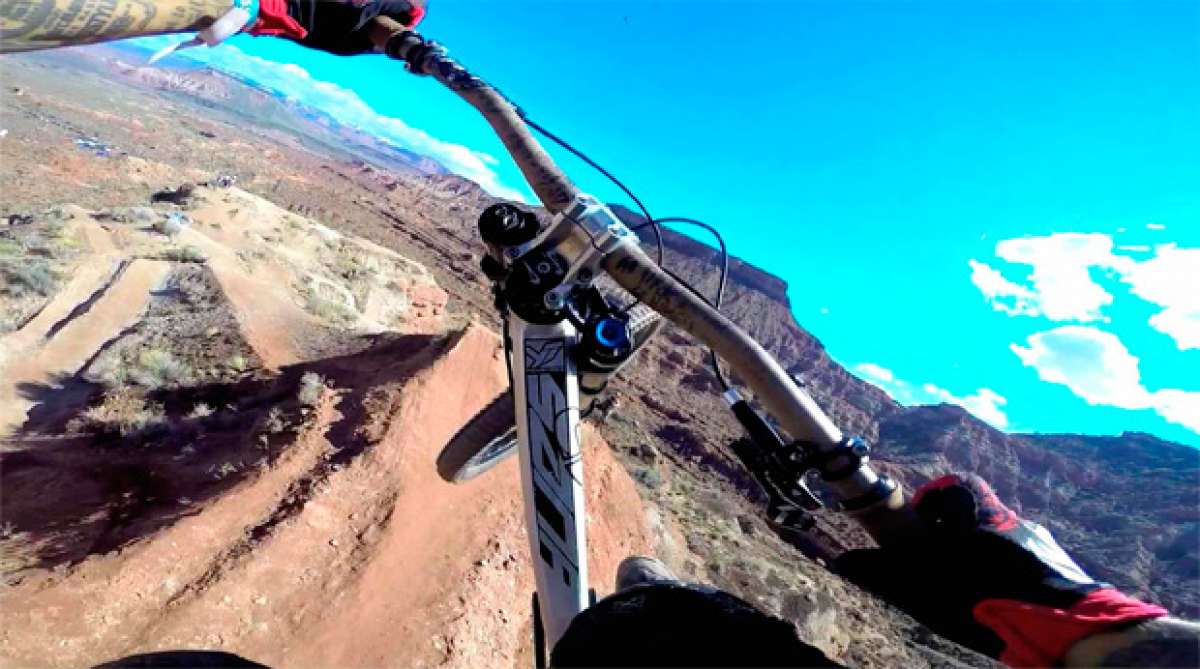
x=637 y=570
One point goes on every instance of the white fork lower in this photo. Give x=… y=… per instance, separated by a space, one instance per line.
x=546 y=395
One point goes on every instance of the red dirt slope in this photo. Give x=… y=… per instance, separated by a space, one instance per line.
x=347 y=551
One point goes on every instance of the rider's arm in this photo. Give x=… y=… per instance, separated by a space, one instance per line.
x=337 y=26
x=52 y=23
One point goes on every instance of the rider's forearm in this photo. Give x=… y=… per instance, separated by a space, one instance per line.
x=42 y=24
x=1163 y=642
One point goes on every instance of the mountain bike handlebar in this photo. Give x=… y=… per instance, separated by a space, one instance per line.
x=886 y=518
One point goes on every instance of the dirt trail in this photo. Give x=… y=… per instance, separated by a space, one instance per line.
x=269 y=319
x=37 y=361
x=373 y=562
x=99 y=239
x=87 y=279
x=89 y=276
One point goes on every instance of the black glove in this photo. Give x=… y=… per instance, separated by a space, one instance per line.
x=990 y=580
x=336 y=26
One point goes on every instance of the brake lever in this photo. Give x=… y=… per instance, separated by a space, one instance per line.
x=778 y=468
x=788 y=498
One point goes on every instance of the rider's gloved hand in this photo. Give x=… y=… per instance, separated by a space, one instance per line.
x=991 y=580
x=336 y=26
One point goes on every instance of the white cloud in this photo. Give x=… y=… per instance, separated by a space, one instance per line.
x=984 y=403
x=875 y=372
x=1096 y=366
x=295 y=83
x=882 y=378
x=1171 y=279
x=1060 y=275
x=1093 y=364
x=1060 y=287
x=1004 y=295
x=1179 y=406
x=1155 y=226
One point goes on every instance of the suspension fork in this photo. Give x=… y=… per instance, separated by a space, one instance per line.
x=546 y=398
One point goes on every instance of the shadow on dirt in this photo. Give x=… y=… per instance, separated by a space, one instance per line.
x=67 y=496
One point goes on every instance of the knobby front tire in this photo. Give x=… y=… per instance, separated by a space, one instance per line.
x=485 y=441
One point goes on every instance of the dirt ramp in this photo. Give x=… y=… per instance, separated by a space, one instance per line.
x=348 y=550
x=73 y=340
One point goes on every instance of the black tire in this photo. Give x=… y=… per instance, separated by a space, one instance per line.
x=485 y=441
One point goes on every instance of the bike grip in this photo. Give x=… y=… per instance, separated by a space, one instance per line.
x=891 y=520
x=381 y=29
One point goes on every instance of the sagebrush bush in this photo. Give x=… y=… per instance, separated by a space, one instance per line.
x=328 y=310
x=169 y=226
x=312 y=386
x=20 y=277
x=121 y=412
x=183 y=254
x=156 y=368
x=238 y=363
x=200 y=411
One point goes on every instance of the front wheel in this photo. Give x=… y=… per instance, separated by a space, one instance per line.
x=485 y=441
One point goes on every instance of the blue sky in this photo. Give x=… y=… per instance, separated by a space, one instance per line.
x=993 y=204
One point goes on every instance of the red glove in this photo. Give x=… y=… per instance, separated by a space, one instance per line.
x=335 y=26
x=273 y=20
x=990 y=580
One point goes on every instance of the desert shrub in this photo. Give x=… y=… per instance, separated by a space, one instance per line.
x=238 y=363
x=200 y=411
x=169 y=226
x=648 y=477
x=10 y=319
x=9 y=247
x=225 y=469
x=350 y=263
x=250 y=257
x=159 y=369
x=328 y=310
x=110 y=371
x=55 y=230
x=28 y=275
x=312 y=386
x=184 y=254
x=121 y=412
x=275 y=421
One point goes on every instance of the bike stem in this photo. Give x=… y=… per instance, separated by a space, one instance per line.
x=876 y=503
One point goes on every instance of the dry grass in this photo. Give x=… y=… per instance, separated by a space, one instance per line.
x=122 y=412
